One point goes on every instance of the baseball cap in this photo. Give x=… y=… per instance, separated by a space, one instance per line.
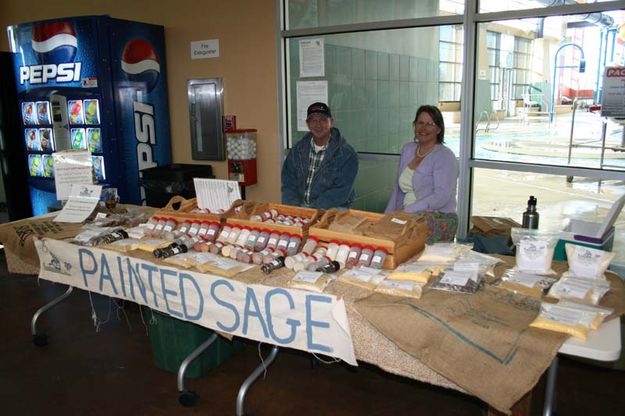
x=320 y=108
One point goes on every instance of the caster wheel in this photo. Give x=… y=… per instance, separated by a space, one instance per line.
x=40 y=340
x=187 y=398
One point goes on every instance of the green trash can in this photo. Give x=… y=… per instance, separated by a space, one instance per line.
x=173 y=340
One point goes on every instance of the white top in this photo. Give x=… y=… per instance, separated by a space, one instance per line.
x=405 y=185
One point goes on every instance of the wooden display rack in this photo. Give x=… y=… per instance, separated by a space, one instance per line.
x=259 y=208
x=180 y=209
x=411 y=241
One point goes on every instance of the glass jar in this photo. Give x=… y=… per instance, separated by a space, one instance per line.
x=194 y=228
x=244 y=256
x=293 y=245
x=333 y=248
x=203 y=230
x=320 y=262
x=379 y=255
x=213 y=229
x=151 y=224
x=257 y=258
x=352 y=257
x=290 y=261
x=274 y=237
x=233 y=235
x=216 y=248
x=342 y=253
x=241 y=144
x=310 y=245
x=261 y=241
x=170 y=225
x=159 y=226
x=365 y=256
x=184 y=227
x=242 y=238
x=224 y=234
x=250 y=243
x=283 y=242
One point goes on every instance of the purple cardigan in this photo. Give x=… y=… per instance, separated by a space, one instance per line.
x=435 y=181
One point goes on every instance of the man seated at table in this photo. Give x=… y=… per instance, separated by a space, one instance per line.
x=320 y=170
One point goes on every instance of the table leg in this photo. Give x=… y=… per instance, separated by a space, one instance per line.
x=188 y=397
x=240 y=405
x=550 y=389
x=42 y=339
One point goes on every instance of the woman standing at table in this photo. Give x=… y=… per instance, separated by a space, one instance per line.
x=427 y=176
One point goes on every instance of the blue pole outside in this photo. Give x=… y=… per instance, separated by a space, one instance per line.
x=555 y=69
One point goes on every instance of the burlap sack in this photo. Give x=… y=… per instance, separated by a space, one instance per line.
x=481 y=342
x=393 y=226
x=347 y=222
x=17 y=236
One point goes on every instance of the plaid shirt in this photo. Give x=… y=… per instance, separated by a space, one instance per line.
x=314 y=159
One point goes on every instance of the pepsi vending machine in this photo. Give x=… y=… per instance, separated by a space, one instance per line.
x=93 y=83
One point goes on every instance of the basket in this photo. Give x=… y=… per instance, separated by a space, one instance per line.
x=410 y=242
x=259 y=208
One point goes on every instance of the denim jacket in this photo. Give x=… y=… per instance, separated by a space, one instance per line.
x=333 y=183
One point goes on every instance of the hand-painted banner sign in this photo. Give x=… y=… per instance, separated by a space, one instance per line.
x=284 y=317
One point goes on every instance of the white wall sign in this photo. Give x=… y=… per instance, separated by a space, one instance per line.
x=309 y=92
x=203 y=49
x=311 y=58
x=613 y=98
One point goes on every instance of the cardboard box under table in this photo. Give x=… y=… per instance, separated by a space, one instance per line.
x=589 y=234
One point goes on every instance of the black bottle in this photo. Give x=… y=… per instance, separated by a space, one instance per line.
x=113 y=236
x=530 y=216
x=331 y=267
x=272 y=265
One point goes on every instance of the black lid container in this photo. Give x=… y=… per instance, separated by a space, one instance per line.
x=161 y=183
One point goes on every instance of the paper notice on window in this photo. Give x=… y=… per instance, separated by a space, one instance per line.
x=309 y=92
x=613 y=96
x=71 y=167
x=80 y=204
x=311 y=58
x=216 y=195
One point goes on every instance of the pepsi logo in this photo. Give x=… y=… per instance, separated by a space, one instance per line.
x=54 y=43
x=140 y=63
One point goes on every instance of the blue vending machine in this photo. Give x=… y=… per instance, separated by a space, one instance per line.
x=93 y=83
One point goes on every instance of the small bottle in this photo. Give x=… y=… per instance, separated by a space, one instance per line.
x=203 y=230
x=150 y=225
x=310 y=245
x=273 y=255
x=261 y=241
x=244 y=255
x=276 y=263
x=250 y=243
x=365 y=256
x=257 y=258
x=170 y=225
x=233 y=235
x=320 y=262
x=283 y=242
x=242 y=238
x=530 y=216
x=379 y=255
x=331 y=267
x=289 y=261
x=352 y=257
x=173 y=250
x=234 y=252
x=342 y=253
x=211 y=233
x=293 y=245
x=333 y=247
x=224 y=234
x=216 y=248
x=274 y=237
x=184 y=227
x=194 y=228
x=159 y=226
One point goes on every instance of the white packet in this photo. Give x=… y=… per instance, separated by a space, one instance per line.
x=582 y=290
x=534 y=250
x=402 y=288
x=586 y=261
x=569 y=320
x=444 y=253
